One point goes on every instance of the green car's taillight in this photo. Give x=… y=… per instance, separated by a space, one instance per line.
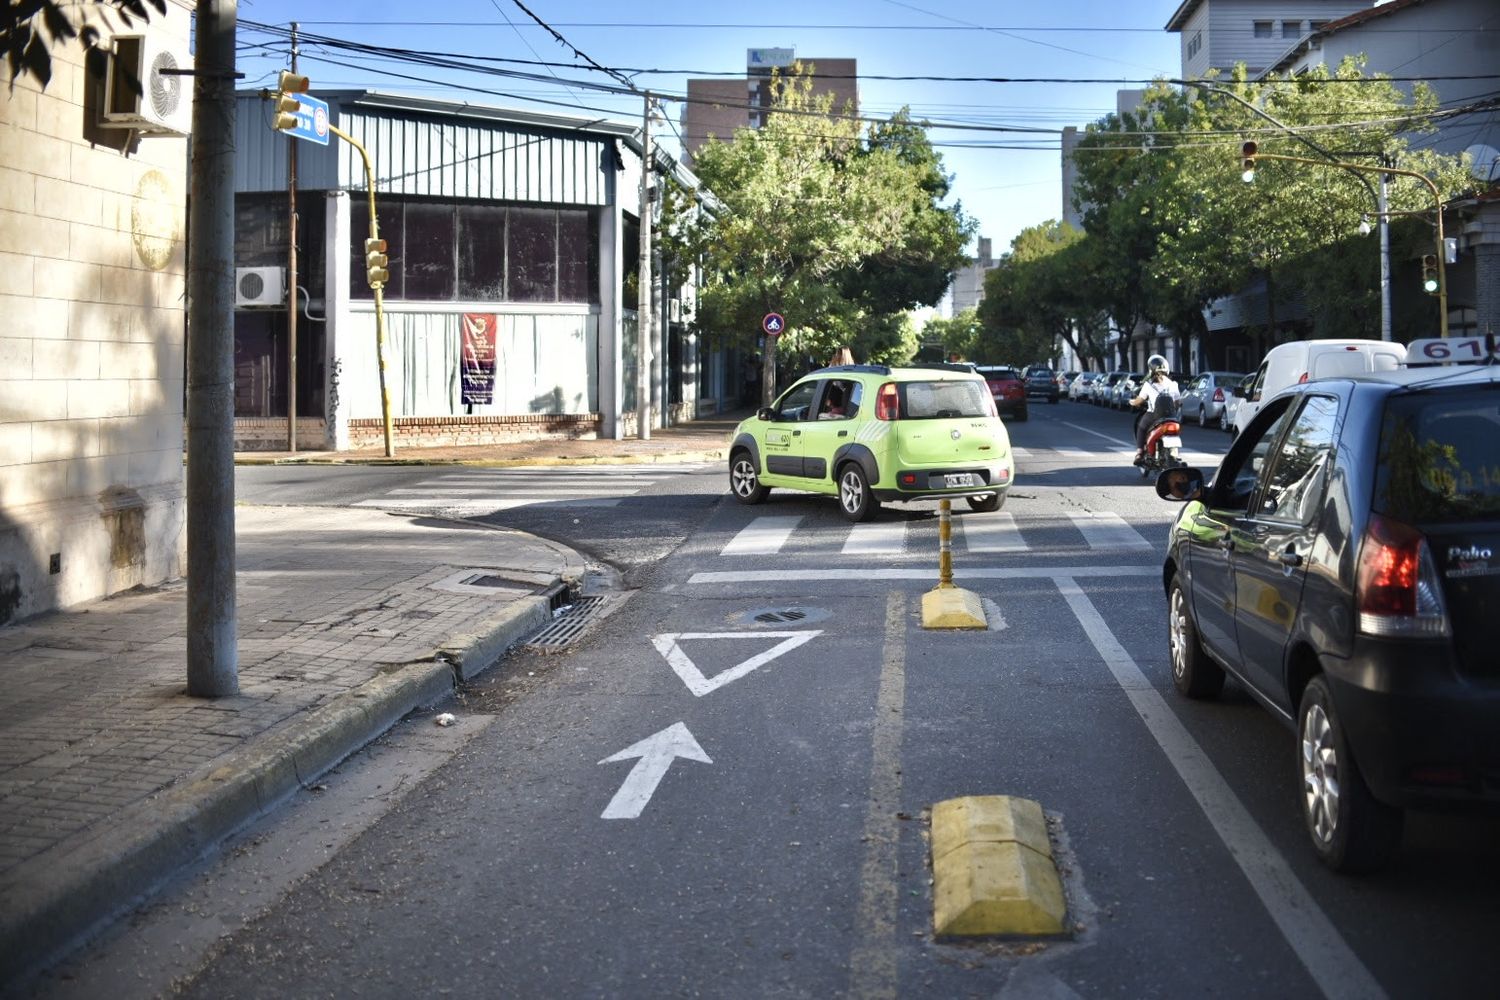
x=887 y=402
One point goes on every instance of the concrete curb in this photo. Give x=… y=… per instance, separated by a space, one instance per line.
x=664 y=458
x=71 y=891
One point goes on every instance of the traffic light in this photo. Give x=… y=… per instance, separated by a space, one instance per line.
x=1430 y=282
x=376 y=263
x=288 y=86
x=1248 y=151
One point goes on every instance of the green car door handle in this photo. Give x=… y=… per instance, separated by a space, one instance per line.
x=843 y=434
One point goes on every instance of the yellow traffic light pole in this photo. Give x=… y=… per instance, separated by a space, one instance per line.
x=377 y=285
x=1251 y=154
x=288 y=86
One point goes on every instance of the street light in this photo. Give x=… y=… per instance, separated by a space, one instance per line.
x=1248 y=149
x=1434 y=276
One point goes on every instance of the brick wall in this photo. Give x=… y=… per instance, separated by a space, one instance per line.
x=442 y=432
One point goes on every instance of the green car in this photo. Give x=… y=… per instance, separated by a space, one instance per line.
x=870 y=433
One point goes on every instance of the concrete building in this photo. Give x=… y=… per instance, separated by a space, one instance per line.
x=93 y=190
x=510 y=308
x=967 y=290
x=1438 y=39
x=717 y=107
x=1217 y=34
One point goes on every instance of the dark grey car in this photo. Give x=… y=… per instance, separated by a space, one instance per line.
x=1344 y=566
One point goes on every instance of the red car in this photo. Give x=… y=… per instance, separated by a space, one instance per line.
x=1008 y=388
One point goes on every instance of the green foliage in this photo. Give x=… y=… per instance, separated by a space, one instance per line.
x=838 y=232
x=1177 y=227
x=1042 y=292
x=28 y=45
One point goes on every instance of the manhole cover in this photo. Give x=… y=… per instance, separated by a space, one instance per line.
x=779 y=616
x=486 y=580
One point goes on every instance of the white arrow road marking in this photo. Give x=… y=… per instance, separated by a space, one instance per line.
x=684 y=667
x=656 y=754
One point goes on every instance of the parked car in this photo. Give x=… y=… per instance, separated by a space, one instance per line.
x=1065 y=379
x=1008 y=390
x=1204 y=395
x=1105 y=387
x=1082 y=387
x=1125 y=389
x=1042 y=381
x=869 y=433
x=1232 y=401
x=1341 y=566
x=1303 y=360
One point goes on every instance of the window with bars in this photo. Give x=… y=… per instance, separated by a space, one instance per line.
x=444 y=251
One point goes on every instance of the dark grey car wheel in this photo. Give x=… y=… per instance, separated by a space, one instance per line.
x=1193 y=673
x=1350 y=830
x=855 y=498
x=744 y=479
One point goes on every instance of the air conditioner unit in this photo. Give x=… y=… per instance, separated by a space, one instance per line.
x=259 y=287
x=165 y=104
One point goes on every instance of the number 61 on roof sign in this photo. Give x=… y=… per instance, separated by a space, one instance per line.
x=773 y=324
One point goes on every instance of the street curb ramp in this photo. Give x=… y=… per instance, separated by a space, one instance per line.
x=57 y=899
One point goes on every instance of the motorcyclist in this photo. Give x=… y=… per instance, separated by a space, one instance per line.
x=1157 y=398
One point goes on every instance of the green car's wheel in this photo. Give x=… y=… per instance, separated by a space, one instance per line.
x=987 y=504
x=744 y=480
x=855 y=498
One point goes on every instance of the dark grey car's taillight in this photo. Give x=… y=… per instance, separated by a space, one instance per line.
x=1397 y=590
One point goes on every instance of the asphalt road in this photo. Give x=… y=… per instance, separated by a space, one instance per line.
x=721 y=789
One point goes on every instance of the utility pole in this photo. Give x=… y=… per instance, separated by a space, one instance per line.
x=1383 y=200
x=643 y=287
x=212 y=667
x=291 y=273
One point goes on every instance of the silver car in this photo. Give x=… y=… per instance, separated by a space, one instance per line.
x=1204 y=398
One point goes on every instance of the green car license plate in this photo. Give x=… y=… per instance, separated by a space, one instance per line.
x=958 y=480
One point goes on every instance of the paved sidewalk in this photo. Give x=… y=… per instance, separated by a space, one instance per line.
x=112 y=778
x=704 y=440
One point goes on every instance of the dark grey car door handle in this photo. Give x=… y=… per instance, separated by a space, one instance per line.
x=1289 y=559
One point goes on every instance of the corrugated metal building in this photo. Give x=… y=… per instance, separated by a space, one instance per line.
x=514 y=222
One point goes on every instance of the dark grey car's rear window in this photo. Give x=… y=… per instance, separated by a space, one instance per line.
x=1440 y=457
x=939 y=400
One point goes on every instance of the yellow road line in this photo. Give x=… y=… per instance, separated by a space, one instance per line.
x=872 y=965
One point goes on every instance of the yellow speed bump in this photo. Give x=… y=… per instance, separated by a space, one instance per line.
x=947 y=606
x=992 y=869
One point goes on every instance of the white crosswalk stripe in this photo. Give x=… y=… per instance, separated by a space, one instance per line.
x=473 y=491
x=1107 y=531
x=992 y=533
x=871 y=537
x=763 y=536
x=977 y=534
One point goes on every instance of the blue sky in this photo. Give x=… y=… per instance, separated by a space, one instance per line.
x=1008 y=181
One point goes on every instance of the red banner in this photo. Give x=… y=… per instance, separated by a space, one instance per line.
x=479 y=357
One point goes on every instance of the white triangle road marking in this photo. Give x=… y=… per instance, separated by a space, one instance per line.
x=668 y=645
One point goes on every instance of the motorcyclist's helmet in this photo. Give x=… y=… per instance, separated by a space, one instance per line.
x=1156 y=365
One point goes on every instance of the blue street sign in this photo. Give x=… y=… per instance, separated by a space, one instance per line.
x=312 y=120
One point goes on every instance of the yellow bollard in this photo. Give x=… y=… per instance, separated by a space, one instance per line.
x=947 y=606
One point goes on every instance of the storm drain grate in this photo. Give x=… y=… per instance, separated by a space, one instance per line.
x=568 y=625
x=781 y=617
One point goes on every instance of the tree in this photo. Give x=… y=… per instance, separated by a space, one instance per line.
x=28 y=44
x=837 y=234
x=1039 y=293
x=1163 y=189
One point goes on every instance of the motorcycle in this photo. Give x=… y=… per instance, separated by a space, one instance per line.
x=1163 y=443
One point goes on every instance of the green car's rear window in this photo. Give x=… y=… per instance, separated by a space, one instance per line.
x=1440 y=457
x=944 y=400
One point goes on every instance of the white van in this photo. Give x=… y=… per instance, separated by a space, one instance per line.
x=1305 y=360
